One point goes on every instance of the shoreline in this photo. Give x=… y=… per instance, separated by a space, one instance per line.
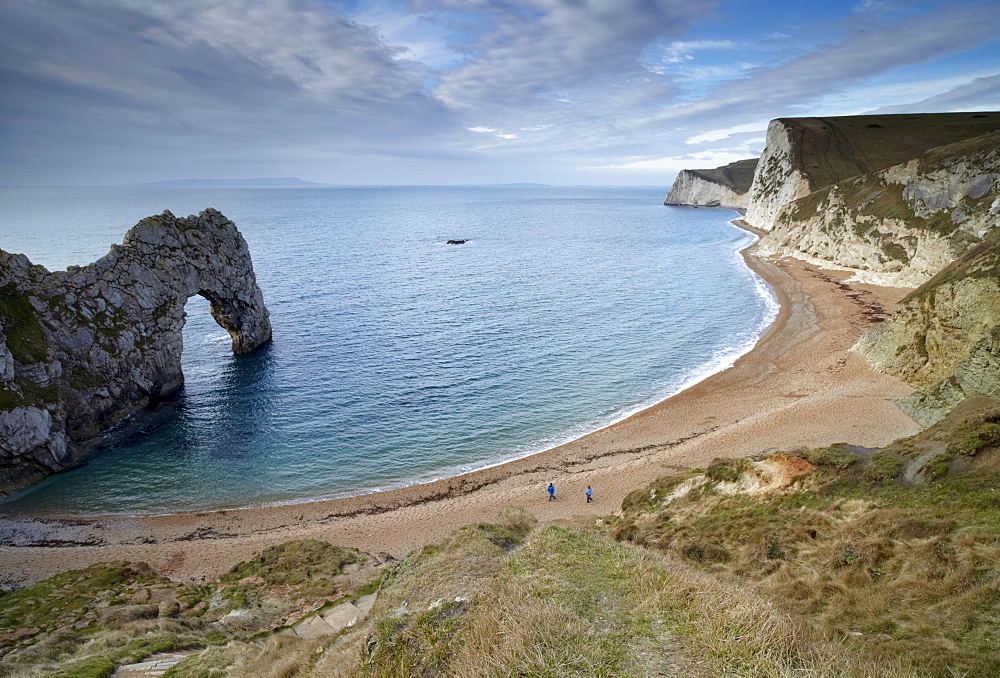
x=706 y=371
x=798 y=386
x=626 y=413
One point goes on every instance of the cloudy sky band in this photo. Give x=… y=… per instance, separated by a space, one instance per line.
x=459 y=91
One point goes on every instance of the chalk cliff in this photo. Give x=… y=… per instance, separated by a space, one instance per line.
x=944 y=338
x=896 y=199
x=803 y=155
x=901 y=225
x=726 y=186
x=83 y=348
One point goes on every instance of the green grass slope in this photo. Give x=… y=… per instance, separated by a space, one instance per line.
x=86 y=623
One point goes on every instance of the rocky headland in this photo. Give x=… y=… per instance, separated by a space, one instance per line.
x=901 y=225
x=726 y=186
x=898 y=200
x=83 y=348
x=803 y=155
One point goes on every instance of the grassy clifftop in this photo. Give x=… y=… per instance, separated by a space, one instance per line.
x=836 y=561
x=886 y=140
x=736 y=175
x=838 y=148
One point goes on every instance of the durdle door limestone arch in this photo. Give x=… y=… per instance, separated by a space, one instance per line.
x=83 y=348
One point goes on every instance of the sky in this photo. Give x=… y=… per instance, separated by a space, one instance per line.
x=568 y=92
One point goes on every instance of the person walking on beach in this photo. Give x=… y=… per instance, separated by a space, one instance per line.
x=589 y=492
x=552 y=491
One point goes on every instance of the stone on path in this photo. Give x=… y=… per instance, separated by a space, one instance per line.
x=336 y=620
x=156 y=665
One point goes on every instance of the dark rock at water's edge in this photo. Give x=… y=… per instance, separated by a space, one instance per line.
x=84 y=348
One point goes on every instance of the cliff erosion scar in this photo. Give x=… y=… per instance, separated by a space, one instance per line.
x=83 y=348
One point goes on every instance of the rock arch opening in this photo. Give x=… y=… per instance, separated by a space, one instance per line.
x=113 y=333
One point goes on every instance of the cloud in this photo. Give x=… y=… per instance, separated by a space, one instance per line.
x=790 y=88
x=128 y=90
x=980 y=94
x=717 y=135
x=210 y=76
x=706 y=160
x=681 y=51
x=538 y=57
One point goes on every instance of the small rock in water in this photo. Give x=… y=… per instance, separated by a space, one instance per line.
x=456 y=242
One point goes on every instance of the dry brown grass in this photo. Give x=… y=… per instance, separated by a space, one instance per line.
x=902 y=576
x=570 y=602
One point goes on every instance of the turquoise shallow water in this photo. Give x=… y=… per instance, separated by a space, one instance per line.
x=397 y=358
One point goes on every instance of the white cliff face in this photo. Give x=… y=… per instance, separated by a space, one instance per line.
x=691 y=189
x=902 y=225
x=778 y=181
x=85 y=347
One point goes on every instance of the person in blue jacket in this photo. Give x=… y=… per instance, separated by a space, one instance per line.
x=589 y=492
x=552 y=491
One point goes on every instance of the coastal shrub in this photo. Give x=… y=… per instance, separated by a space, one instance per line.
x=92 y=667
x=639 y=499
x=885 y=468
x=25 y=336
x=626 y=531
x=836 y=456
x=420 y=646
x=725 y=470
x=49 y=649
x=117 y=616
x=292 y=563
x=168 y=608
x=704 y=551
x=512 y=527
x=987 y=436
x=937 y=467
x=774 y=550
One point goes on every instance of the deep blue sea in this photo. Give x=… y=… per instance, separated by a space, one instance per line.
x=397 y=358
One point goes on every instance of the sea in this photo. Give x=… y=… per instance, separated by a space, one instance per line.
x=397 y=358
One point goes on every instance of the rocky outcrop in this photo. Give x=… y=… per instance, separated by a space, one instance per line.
x=726 y=186
x=83 y=348
x=800 y=156
x=901 y=225
x=944 y=338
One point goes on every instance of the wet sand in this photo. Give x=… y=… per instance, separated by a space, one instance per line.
x=799 y=387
